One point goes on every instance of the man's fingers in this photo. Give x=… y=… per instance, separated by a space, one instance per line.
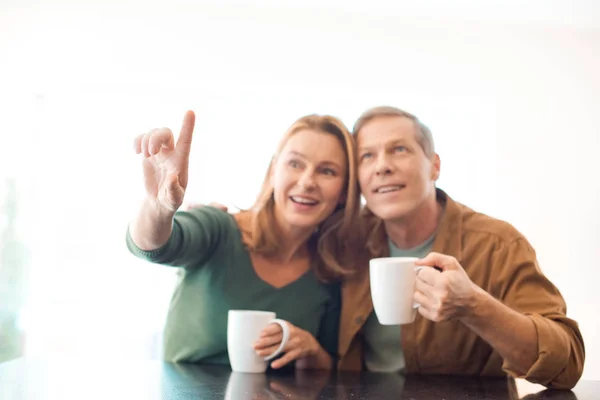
x=425 y=289
x=428 y=314
x=441 y=261
x=184 y=142
x=422 y=300
x=428 y=275
x=427 y=306
x=191 y=206
x=218 y=206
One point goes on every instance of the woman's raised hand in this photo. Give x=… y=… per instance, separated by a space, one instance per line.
x=165 y=163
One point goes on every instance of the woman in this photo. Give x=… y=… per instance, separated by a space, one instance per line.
x=283 y=255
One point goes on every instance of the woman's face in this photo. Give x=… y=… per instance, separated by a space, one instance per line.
x=309 y=179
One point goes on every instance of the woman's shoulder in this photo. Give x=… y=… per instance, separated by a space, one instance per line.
x=243 y=221
x=212 y=222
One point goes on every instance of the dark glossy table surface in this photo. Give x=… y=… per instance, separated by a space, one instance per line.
x=77 y=379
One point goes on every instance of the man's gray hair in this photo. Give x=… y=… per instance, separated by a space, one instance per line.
x=424 y=136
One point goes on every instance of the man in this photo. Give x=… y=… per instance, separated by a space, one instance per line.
x=490 y=311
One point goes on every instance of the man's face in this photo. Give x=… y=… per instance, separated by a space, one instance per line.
x=395 y=175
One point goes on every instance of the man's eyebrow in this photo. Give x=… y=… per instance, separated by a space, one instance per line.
x=389 y=143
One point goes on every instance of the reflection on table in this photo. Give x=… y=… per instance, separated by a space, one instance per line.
x=68 y=379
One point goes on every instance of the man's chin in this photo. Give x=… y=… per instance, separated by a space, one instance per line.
x=388 y=213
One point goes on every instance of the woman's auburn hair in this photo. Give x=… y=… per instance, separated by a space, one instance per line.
x=335 y=244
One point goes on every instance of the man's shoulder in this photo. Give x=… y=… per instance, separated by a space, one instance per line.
x=487 y=240
x=475 y=223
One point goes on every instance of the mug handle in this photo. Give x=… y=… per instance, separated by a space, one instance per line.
x=286 y=336
x=417 y=269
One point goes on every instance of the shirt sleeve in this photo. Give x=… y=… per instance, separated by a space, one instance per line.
x=330 y=323
x=561 y=351
x=196 y=236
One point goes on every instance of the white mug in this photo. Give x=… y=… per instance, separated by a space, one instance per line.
x=243 y=329
x=392 y=289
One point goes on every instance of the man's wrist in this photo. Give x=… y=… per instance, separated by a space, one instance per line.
x=475 y=305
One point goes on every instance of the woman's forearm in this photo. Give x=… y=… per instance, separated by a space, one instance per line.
x=151 y=227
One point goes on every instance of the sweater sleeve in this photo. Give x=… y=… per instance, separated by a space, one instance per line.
x=561 y=351
x=196 y=236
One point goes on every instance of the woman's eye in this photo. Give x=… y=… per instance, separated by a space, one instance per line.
x=329 y=171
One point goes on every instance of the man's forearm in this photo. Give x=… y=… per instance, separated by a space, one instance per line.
x=510 y=333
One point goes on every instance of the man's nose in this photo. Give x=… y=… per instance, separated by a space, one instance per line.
x=383 y=165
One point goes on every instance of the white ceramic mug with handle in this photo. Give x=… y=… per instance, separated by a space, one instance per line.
x=243 y=329
x=392 y=289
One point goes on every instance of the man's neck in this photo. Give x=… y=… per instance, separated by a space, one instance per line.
x=412 y=230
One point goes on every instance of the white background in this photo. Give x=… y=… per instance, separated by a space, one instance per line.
x=509 y=88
